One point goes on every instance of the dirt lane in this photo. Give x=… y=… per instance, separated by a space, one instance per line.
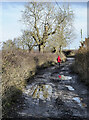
x=49 y=95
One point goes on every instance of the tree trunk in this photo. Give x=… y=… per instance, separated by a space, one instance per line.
x=29 y=48
x=41 y=48
x=60 y=48
x=23 y=47
x=57 y=49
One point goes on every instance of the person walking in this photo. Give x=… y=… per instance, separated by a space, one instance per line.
x=59 y=60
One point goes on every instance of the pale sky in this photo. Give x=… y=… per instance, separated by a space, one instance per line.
x=10 y=14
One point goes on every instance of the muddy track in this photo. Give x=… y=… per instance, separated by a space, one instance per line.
x=49 y=95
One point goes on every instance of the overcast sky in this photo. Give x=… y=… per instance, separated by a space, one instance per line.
x=10 y=14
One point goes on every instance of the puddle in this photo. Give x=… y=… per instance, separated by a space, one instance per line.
x=70 y=58
x=65 y=77
x=78 y=100
x=61 y=72
x=67 y=72
x=40 y=91
x=70 y=87
x=63 y=68
x=22 y=113
x=53 y=68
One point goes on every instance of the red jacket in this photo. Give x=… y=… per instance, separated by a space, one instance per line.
x=58 y=59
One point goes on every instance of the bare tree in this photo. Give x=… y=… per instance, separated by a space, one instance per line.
x=44 y=20
x=8 y=45
x=17 y=42
x=65 y=33
x=27 y=40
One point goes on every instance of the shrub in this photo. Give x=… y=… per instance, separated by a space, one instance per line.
x=81 y=65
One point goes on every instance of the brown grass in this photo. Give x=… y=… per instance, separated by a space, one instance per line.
x=82 y=65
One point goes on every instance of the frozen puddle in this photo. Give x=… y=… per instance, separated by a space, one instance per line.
x=40 y=91
x=70 y=87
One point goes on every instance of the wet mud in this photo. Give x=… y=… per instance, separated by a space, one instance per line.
x=54 y=93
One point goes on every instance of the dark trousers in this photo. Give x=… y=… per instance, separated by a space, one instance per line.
x=59 y=64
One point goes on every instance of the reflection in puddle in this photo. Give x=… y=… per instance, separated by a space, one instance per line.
x=70 y=58
x=77 y=99
x=65 y=77
x=61 y=72
x=63 y=68
x=53 y=68
x=41 y=91
x=70 y=87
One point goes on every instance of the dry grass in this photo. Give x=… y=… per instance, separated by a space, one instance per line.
x=82 y=65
